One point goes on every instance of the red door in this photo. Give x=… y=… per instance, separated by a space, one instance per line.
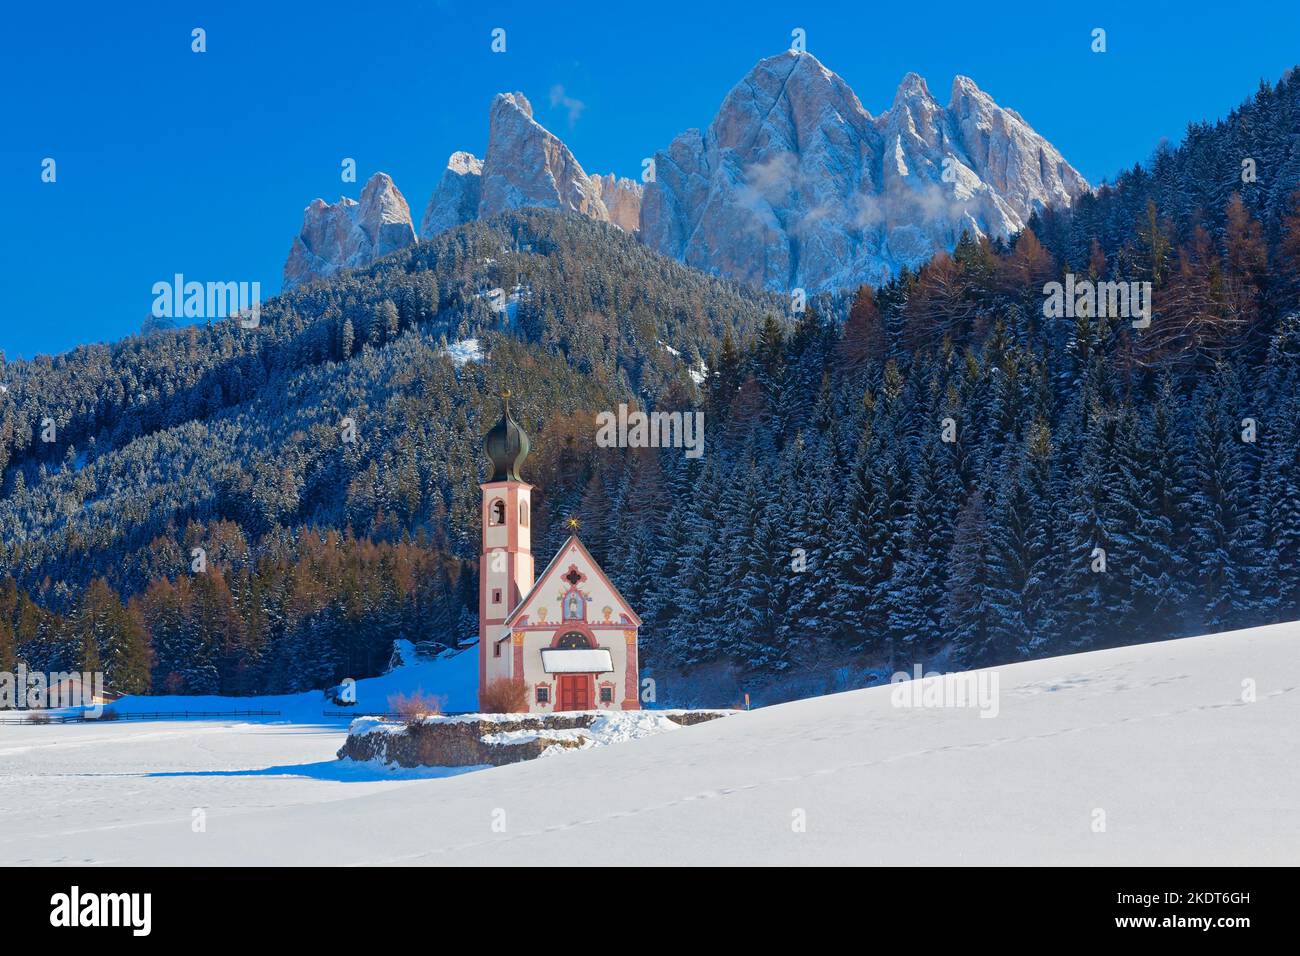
x=575 y=692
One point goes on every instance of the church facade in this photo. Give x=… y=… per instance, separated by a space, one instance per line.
x=567 y=635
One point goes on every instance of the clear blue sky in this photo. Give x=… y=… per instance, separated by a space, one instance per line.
x=171 y=161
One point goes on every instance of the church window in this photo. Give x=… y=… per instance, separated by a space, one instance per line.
x=607 y=695
x=496 y=595
x=573 y=641
x=497 y=512
x=496 y=649
x=573 y=606
x=543 y=694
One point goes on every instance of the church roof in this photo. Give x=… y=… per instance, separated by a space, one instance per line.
x=552 y=568
x=506 y=446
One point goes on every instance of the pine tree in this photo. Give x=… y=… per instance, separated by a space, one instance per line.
x=763 y=579
x=1220 y=527
x=918 y=592
x=967 y=612
x=1149 y=499
x=1093 y=595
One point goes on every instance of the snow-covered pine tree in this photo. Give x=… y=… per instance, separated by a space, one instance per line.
x=968 y=587
x=1093 y=598
x=1149 y=501
x=1219 y=499
x=918 y=592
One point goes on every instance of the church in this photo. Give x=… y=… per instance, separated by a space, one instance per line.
x=568 y=635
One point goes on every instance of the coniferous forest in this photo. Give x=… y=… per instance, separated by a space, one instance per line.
x=932 y=466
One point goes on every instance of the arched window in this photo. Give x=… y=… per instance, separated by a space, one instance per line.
x=573 y=641
x=573 y=606
x=523 y=514
x=497 y=512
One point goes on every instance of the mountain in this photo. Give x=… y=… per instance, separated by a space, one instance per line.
x=622 y=197
x=821 y=445
x=795 y=184
x=526 y=166
x=456 y=198
x=348 y=234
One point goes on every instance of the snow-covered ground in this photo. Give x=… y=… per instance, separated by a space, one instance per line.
x=453 y=679
x=465 y=350
x=1183 y=752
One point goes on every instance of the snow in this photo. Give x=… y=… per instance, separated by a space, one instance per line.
x=1187 y=747
x=794 y=161
x=508 y=304
x=452 y=677
x=465 y=350
x=632 y=725
x=594 y=660
x=608 y=723
x=608 y=728
x=403 y=653
x=612 y=728
x=698 y=372
x=515 y=737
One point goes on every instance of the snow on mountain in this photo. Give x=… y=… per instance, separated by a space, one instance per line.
x=465 y=351
x=527 y=165
x=699 y=372
x=795 y=184
x=349 y=234
x=455 y=199
x=1179 y=752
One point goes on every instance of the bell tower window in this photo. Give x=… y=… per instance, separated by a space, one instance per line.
x=497 y=512
x=523 y=514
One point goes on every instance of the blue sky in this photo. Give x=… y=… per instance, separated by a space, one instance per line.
x=170 y=161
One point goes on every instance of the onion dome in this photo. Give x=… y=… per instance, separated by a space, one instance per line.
x=506 y=446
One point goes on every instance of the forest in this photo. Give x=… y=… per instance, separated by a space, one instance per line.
x=932 y=466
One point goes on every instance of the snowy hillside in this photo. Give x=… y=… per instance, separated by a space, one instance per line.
x=1163 y=739
x=452 y=678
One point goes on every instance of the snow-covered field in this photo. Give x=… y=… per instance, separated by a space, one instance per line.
x=1146 y=754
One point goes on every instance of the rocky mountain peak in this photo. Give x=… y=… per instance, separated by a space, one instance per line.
x=913 y=86
x=794 y=184
x=527 y=165
x=456 y=197
x=349 y=234
x=794 y=167
x=516 y=101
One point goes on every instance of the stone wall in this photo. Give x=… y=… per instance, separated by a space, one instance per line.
x=477 y=740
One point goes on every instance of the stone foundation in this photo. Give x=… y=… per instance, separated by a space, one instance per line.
x=482 y=739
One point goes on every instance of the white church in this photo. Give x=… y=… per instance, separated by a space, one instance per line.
x=568 y=635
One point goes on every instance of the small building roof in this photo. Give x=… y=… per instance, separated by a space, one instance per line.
x=587 y=660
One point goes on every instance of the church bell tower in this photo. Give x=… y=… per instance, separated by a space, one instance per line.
x=506 y=561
